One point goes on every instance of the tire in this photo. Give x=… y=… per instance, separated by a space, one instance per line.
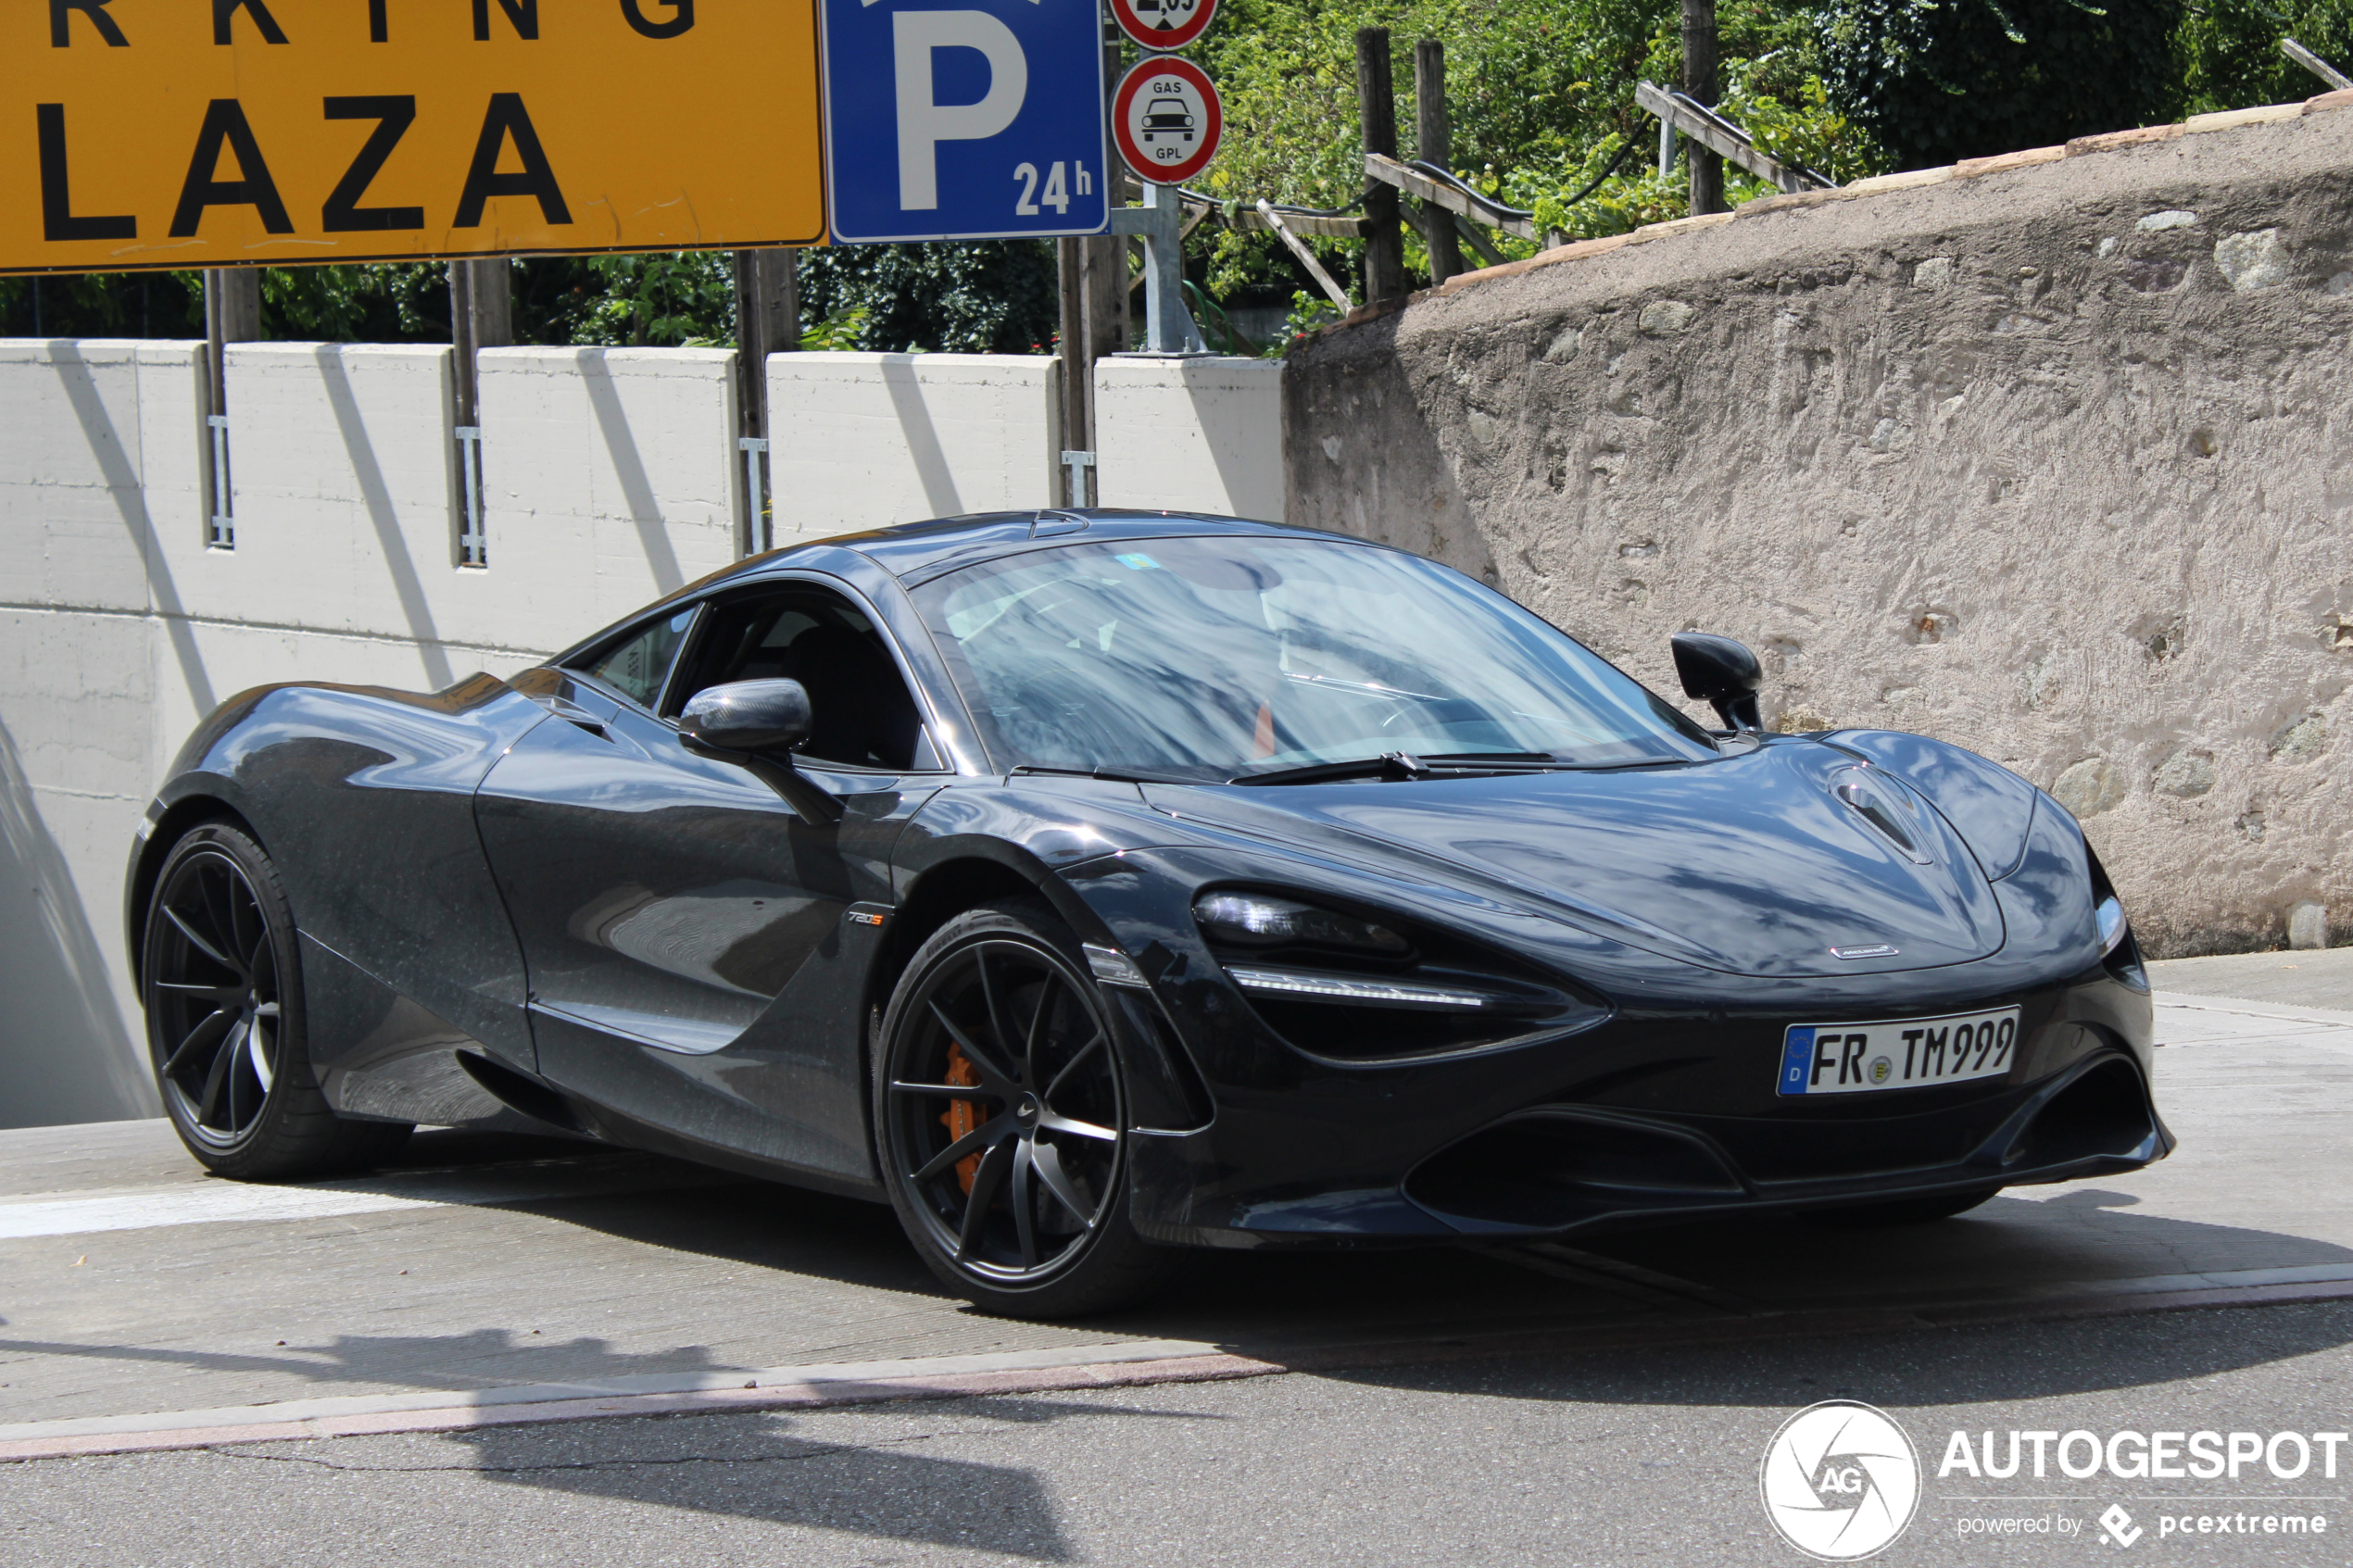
x=1030 y=1218
x=1904 y=1211
x=221 y=981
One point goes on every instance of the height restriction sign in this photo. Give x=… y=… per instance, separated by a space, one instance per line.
x=1166 y=120
x=178 y=134
x=1163 y=24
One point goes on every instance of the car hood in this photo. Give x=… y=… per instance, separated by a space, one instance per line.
x=1746 y=864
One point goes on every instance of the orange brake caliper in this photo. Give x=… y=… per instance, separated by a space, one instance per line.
x=962 y=1115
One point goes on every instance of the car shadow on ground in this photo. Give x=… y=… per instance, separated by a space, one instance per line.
x=897 y=1479
x=1712 y=1278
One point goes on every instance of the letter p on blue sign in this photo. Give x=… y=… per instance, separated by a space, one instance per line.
x=963 y=121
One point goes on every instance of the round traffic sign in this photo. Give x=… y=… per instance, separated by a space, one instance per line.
x=1163 y=24
x=1166 y=119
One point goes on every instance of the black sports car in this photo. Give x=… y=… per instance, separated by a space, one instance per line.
x=1090 y=884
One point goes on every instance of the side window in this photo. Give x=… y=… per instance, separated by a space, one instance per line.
x=635 y=666
x=860 y=709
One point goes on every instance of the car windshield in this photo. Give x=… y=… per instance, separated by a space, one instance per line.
x=1215 y=657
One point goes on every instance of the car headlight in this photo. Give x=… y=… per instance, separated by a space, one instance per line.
x=2110 y=916
x=1255 y=920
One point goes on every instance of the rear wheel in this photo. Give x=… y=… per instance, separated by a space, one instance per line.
x=1906 y=1210
x=1001 y=1118
x=222 y=983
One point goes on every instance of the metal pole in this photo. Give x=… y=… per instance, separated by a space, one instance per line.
x=232 y=314
x=1077 y=362
x=1433 y=136
x=481 y=316
x=1698 y=81
x=1169 y=326
x=1377 y=118
x=767 y=321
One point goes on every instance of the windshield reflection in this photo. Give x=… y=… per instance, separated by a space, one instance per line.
x=1213 y=658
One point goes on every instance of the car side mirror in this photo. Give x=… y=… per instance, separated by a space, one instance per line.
x=753 y=716
x=1723 y=672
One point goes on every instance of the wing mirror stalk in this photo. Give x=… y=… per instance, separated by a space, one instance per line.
x=758 y=723
x=1723 y=673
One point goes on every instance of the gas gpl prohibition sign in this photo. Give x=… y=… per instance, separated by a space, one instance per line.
x=1166 y=120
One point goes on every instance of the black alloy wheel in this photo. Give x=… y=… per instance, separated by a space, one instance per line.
x=223 y=992
x=1003 y=1117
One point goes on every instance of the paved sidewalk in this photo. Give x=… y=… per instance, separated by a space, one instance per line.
x=2323 y=979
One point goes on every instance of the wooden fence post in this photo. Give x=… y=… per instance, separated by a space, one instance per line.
x=1698 y=81
x=1433 y=132
x=1377 y=114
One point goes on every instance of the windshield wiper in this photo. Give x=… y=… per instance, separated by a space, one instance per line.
x=1403 y=765
x=1110 y=775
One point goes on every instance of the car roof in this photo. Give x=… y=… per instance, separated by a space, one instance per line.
x=915 y=550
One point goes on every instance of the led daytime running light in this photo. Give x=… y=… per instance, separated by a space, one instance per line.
x=1336 y=988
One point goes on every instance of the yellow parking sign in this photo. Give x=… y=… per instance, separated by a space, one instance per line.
x=144 y=133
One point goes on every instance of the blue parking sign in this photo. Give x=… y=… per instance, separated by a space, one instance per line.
x=963 y=121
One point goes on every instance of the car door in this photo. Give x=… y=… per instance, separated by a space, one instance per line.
x=684 y=916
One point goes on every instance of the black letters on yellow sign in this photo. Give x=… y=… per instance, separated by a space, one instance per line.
x=681 y=17
x=507 y=118
x=343 y=214
x=57 y=222
x=224 y=123
x=60 y=17
x=225 y=11
x=225 y=126
x=523 y=13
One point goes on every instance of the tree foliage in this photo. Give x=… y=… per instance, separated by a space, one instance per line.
x=1540 y=94
x=2230 y=57
x=995 y=297
x=1938 y=81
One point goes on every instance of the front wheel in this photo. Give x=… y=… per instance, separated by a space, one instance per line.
x=1001 y=1118
x=221 y=979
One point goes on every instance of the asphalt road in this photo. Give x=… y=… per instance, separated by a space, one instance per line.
x=1643 y=1457
x=1598 y=1405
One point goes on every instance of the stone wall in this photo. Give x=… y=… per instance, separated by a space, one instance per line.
x=2047 y=454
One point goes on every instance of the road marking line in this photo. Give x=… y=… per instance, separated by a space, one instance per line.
x=221 y=1202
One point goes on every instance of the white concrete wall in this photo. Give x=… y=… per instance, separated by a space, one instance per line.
x=1191 y=434
x=98 y=445
x=613 y=472
x=863 y=441
x=612 y=477
x=610 y=480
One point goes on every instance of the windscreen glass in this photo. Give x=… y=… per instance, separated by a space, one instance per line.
x=1215 y=657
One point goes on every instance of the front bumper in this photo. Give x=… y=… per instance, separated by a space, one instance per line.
x=1663 y=1112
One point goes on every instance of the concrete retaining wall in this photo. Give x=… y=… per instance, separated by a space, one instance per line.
x=866 y=440
x=2048 y=456
x=1191 y=433
x=610 y=477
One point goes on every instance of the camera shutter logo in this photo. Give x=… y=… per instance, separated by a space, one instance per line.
x=1840 y=1480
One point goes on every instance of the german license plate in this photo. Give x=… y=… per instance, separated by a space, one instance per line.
x=1845 y=1059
